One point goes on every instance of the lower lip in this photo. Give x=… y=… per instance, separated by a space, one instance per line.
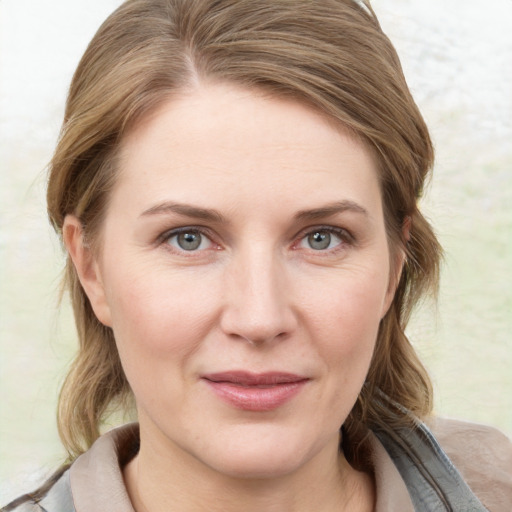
x=253 y=398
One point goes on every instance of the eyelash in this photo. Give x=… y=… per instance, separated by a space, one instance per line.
x=347 y=239
x=165 y=238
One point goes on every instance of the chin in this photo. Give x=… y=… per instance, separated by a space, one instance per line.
x=267 y=455
x=258 y=466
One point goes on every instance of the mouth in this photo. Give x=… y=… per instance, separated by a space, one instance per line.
x=257 y=392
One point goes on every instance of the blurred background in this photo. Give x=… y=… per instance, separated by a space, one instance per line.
x=457 y=57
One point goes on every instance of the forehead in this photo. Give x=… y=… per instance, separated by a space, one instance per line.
x=247 y=144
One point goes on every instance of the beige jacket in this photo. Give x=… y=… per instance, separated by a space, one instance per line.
x=481 y=454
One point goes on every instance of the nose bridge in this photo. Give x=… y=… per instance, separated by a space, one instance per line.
x=258 y=305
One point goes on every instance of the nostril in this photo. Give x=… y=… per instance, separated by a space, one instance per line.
x=258 y=340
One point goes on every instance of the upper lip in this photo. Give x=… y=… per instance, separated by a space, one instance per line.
x=244 y=378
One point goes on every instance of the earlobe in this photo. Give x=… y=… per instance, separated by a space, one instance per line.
x=86 y=267
x=406 y=229
x=402 y=252
x=398 y=265
x=394 y=280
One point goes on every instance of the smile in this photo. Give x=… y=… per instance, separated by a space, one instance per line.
x=255 y=392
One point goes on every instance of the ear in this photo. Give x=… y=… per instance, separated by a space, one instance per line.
x=406 y=229
x=86 y=267
x=397 y=265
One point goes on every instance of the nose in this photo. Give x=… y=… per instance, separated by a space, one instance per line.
x=258 y=301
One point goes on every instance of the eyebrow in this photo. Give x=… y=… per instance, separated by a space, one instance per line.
x=185 y=210
x=331 y=209
x=211 y=215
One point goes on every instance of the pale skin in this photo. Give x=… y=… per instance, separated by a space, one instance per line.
x=244 y=233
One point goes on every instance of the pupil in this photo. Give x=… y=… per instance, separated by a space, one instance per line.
x=189 y=241
x=319 y=240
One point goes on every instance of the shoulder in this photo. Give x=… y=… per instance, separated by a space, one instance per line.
x=53 y=496
x=94 y=478
x=483 y=456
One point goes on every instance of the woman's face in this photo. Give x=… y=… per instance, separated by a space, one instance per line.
x=244 y=271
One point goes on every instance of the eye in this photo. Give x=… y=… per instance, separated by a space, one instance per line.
x=323 y=239
x=189 y=240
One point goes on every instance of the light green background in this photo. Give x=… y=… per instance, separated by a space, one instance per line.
x=457 y=57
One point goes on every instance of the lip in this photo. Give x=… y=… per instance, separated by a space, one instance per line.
x=258 y=392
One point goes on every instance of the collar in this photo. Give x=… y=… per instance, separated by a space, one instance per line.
x=96 y=476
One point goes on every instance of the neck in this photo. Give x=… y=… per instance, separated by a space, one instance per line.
x=167 y=480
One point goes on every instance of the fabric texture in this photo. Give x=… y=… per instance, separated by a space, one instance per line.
x=482 y=455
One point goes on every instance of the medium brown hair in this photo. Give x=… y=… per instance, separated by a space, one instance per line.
x=329 y=54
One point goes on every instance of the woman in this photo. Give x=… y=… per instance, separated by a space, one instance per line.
x=236 y=185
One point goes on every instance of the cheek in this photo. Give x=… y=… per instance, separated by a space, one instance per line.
x=345 y=322
x=158 y=318
x=353 y=332
x=352 y=301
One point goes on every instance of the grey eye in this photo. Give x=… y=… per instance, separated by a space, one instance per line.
x=187 y=241
x=319 y=240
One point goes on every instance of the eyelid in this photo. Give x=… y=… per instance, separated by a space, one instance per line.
x=343 y=234
x=203 y=231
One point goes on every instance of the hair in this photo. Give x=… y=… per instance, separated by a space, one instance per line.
x=329 y=54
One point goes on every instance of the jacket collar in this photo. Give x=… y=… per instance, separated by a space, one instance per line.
x=96 y=476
